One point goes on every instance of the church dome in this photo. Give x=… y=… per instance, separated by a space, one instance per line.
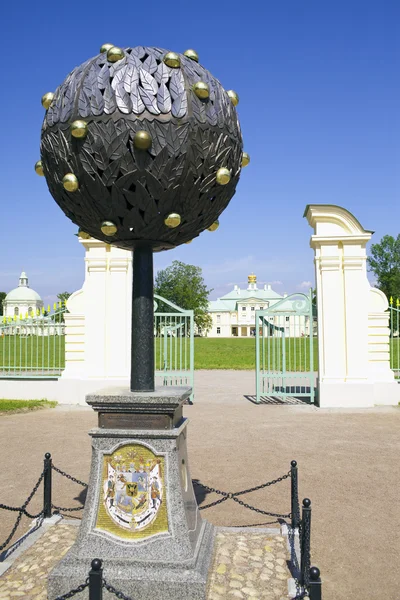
x=23 y=293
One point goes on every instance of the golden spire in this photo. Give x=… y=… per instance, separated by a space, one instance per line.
x=252 y=278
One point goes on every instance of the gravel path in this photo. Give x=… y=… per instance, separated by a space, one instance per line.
x=348 y=466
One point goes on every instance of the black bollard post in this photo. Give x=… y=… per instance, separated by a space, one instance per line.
x=47 y=469
x=295 y=495
x=315 y=585
x=96 y=580
x=305 y=543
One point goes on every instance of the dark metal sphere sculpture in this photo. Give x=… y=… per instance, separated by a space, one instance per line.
x=142 y=146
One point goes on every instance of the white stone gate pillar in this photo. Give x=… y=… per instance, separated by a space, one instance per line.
x=98 y=324
x=343 y=302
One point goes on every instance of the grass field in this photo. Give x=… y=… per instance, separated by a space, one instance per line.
x=47 y=355
x=7 y=406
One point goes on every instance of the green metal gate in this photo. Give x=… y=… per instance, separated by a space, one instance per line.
x=174 y=344
x=286 y=350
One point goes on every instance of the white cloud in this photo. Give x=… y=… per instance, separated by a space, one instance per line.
x=304 y=285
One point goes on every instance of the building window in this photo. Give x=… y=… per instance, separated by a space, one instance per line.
x=253 y=308
x=234 y=331
x=243 y=308
x=30 y=311
x=16 y=311
x=218 y=330
x=287 y=318
x=261 y=308
x=218 y=318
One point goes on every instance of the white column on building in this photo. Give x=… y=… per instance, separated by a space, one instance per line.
x=343 y=303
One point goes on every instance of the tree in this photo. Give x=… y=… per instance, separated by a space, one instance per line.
x=2 y=298
x=384 y=263
x=63 y=296
x=184 y=285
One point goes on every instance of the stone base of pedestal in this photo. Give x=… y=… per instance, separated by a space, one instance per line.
x=141 y=516
x=149 y=580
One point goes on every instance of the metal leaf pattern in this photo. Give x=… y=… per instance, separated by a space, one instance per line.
x=137 y=102
x=179 y=106
x=150 y=101
x=177 y=84
x=131 y=77
x=163 y=73
x=148 y=82
x=150 y=64
x=103 y=77
x=123 y=99
x=132 y=187
x=164 y=99
x=109 y=100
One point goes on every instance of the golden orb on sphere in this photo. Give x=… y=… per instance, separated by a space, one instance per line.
x=223 y=176
x=142 y=140
x=79 y=129
x=106 y=48
x=39 y=168
x=172 y=59
x=201 y=90
x=245 y=159
x=189 y=242
x=173 y=220
x=234 y=97
x=109 y=228
x=192 y=54
x=83 y=235
x=114 y=54
x=70 y=182
x=214 y=226
x=47 y=99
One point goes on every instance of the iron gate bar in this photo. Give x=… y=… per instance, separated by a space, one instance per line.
x=285 y=344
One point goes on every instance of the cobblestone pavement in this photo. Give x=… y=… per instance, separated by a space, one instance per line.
x=27 y=578
x=248 y=565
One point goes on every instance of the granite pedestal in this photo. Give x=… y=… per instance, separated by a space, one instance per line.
x=141 y=516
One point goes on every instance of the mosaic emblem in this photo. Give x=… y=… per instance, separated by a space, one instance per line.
x=132 y=502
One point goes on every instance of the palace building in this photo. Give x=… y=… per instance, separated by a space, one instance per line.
x=233 y=315
x=22 y=300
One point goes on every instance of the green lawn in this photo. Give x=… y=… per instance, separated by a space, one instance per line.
x=240 y=353
x=38 y=355
x=23 y=405
x=33 y=353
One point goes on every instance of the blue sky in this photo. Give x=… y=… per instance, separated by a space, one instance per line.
x=319 y=108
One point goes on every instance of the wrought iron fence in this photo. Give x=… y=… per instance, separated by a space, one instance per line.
x=394 y=321
x=308 y=581
x=174 y=344
x=33 y=345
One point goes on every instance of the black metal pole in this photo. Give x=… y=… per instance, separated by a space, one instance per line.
x=142 y=353
x=96 y=580
x=47 y=469
x=305 y=546
x=294 y=496
x=315 y=587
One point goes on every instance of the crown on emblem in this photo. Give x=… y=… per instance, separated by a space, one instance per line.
x=252 y=278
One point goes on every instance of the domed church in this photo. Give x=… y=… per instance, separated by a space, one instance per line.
x=22 y=300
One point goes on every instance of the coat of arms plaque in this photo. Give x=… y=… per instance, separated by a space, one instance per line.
x=132 y=503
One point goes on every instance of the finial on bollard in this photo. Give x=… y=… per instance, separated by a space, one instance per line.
x=96 y=564
x=306 y=502
x=315 y=573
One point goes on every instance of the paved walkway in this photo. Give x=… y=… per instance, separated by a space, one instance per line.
x=348 y=464
x=246 y=565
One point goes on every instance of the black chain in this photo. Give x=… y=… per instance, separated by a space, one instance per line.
x=262 y=512
x=75 y=591
x=22 y=511
x=70 y=477
x=233 y=496
x=62 y=509
x=112 y=590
